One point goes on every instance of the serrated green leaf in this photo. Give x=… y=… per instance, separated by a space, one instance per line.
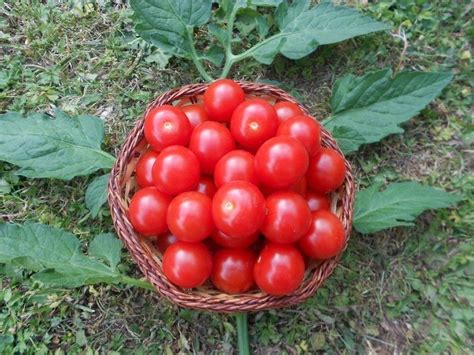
x=62 y=148
x=374 y=105
x=107 y=248
x=96 y=194
x=347 y=138
x=397 y=205
x=214 y=54
x=54 y=254
x=266 y=3
x=305 y=27
x=217 y=32
x=165 y=23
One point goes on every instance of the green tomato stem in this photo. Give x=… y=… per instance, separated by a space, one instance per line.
x=242 y=334
x=137 y=282
x=195 y=57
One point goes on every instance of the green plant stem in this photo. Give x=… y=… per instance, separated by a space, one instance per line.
x=137 y=282
x=195 y=57
x=242 y=334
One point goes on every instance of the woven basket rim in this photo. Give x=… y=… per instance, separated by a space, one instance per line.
x=149 y=261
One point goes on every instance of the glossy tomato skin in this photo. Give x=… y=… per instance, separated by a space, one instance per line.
x=232 y=270
x=187 y=265
x=317 y=201
x=238 y=209
x=206 y=186
x=143 y=170
x=281 y=162
x=165 y=240
x=223 y=240
x=288 y=217
x=253 y=122
x=326 y=171
x=147 y=211
x=189 y=216
x=196 y=114
x=305 y=129
x=221 y=98
x=176 y=170
x=325 y=238
x=279 y=269
x=167 y=125
x=237 y=165
x=286 y=110
x=210 y=141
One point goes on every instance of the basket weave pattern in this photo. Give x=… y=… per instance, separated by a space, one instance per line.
x=122 y=186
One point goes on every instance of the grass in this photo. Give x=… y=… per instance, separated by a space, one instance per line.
x=402 y=290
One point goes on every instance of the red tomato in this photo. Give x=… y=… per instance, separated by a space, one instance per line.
x=280 y=162
x=221 y=99
x=196 y=114
x=326 y=170
x=253 y=122
x=238 y=209
x=147 y=211
x=325 y=237
x=206 y=186
x=288 y=217
x=286 y=110
x=279 y=269
x=235 y=165
x=189 y=216
x=317 y=201
x=143 y=170
x=176 y=170
x=224 y=240
x=210 y=141
x=165 y=240
x=299 y=187
x=305 y=129
x=232 y=270
x=167 y=125
x=187 y=265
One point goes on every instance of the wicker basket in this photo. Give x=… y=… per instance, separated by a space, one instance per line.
x=122 y=186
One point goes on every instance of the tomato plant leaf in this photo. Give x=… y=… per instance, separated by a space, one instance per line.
x=268 y=3
x=96 y=194
x=305 y=28
x=63 y=147
x=55 y=255
x=374 y=105
x=166 y=23
x=347 y=138
x=106 y=247
x=397 y=205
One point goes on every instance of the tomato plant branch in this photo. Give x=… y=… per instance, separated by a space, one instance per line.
x=242 y=334
x=195 y=58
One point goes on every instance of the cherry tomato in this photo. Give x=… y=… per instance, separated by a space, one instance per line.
x=317 y=201
x=165 y=240
x=279 y=269
x=221 y=99
x=305 y=129
x=176 y=170
x=196 y=114
x=167 y=125
x=147 y=211
x=224 y=240
x=281 y=161
x=253 y=122
x=232 y=270
x=235 y=165
x=238 y=209
x=143 y=170
x=189 y=216
x=210 y=141
x=325 y=237
x=206 y=186
x=326 y=170
x=286 y=110
x=187 y=265
x=288 y=217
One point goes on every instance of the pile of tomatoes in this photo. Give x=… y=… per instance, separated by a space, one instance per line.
x=235 y=190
